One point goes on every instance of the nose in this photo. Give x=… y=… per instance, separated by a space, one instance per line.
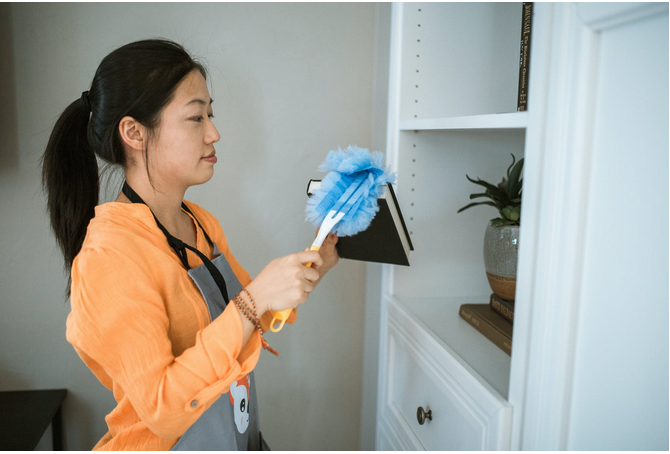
x=212 y=134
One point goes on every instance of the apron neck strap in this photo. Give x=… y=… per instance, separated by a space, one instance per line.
x=179 y=246
x=135 y=198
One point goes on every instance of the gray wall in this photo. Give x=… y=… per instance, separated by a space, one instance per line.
x=290 y=82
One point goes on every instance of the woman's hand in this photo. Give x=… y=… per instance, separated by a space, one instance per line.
x=285 y=282
x=328 y=254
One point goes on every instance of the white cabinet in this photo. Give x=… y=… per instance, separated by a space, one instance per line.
x=452 y=111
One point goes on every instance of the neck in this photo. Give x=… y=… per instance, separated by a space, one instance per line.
x=164 y=201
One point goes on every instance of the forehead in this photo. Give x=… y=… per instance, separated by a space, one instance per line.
x=190 y=88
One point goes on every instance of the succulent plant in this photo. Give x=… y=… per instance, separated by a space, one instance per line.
x=506 y=196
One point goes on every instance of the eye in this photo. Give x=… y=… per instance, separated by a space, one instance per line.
x=200 y=117
x=243 y=405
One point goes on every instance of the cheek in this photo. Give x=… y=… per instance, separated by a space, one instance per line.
x=176 y=158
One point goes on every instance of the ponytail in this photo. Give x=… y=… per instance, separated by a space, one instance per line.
x=70 y=181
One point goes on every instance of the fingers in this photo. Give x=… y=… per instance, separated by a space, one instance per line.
x=311 y=274
x=308 y=288
x=308 y=256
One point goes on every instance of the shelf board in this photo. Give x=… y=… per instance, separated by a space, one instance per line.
x=512 y=120
x=440 y=317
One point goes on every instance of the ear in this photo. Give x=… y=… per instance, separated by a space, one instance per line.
x=134 y=138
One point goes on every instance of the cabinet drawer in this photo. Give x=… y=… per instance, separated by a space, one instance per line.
x=415 y=382
x=419 y=372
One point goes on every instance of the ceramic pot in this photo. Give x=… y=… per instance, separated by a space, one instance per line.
x=501 y=250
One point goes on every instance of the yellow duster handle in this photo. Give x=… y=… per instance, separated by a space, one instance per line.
x=283 y=315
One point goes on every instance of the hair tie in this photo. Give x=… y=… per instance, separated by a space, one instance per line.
x=85 y=101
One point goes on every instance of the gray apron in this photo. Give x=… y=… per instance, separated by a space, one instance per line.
x=231 y=422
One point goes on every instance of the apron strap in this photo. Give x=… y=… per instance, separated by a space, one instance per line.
x=183 y=205
x=180 y=247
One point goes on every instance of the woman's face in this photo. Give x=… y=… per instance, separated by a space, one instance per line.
x=184 y=152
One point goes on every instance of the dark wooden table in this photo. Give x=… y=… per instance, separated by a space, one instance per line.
x=26 y=415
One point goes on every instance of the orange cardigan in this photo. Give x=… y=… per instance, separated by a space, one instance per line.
x=140 y=324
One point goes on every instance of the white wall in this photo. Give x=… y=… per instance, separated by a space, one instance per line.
x=620 y=384
x=290 y=82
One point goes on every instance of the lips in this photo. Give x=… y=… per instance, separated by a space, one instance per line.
x=210 y=155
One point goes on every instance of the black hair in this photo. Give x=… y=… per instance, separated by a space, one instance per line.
x=137 y=80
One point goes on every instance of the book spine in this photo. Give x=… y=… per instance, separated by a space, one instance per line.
x=490 y=332
x=524 y=56
x=502 y=307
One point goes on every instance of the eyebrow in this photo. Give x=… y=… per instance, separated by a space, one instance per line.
x=199 y=101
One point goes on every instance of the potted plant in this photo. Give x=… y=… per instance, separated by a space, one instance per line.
x=501 y=241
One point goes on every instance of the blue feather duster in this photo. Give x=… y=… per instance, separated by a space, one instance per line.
x=358 y=170
x=343 y=167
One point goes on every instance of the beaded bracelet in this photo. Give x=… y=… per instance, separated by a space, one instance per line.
x=244 y=308
x=252 y=316
x=253 y=306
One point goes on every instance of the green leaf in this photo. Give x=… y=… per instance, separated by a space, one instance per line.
x=499 y=197
x=499 y=222
x=511 y=165
x=477 y=203
x=514 y=215
x=474 y=196
x=513 y=185
x=482 y=183
x=503 y=185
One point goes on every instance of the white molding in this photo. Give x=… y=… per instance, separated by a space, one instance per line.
x=392 y=136
x=395 y=73
x=512 y=120
x=602 y=16
x=559 y=151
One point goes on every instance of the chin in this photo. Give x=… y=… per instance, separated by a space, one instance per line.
x=203 y=178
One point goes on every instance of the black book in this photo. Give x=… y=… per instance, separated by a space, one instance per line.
x=502 y=306
x=524 y=55
x=386 y=240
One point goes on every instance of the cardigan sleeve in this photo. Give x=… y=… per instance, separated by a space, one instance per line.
x=219 y=238
x=119 y=327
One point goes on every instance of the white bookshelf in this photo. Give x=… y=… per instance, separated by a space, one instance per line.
x=452 y=111
x=455 y=114
x=453 y=85
x=516 y=120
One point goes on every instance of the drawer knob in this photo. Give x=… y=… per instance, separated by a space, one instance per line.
x=422 y=415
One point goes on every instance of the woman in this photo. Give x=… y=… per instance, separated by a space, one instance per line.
x=149 y=288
